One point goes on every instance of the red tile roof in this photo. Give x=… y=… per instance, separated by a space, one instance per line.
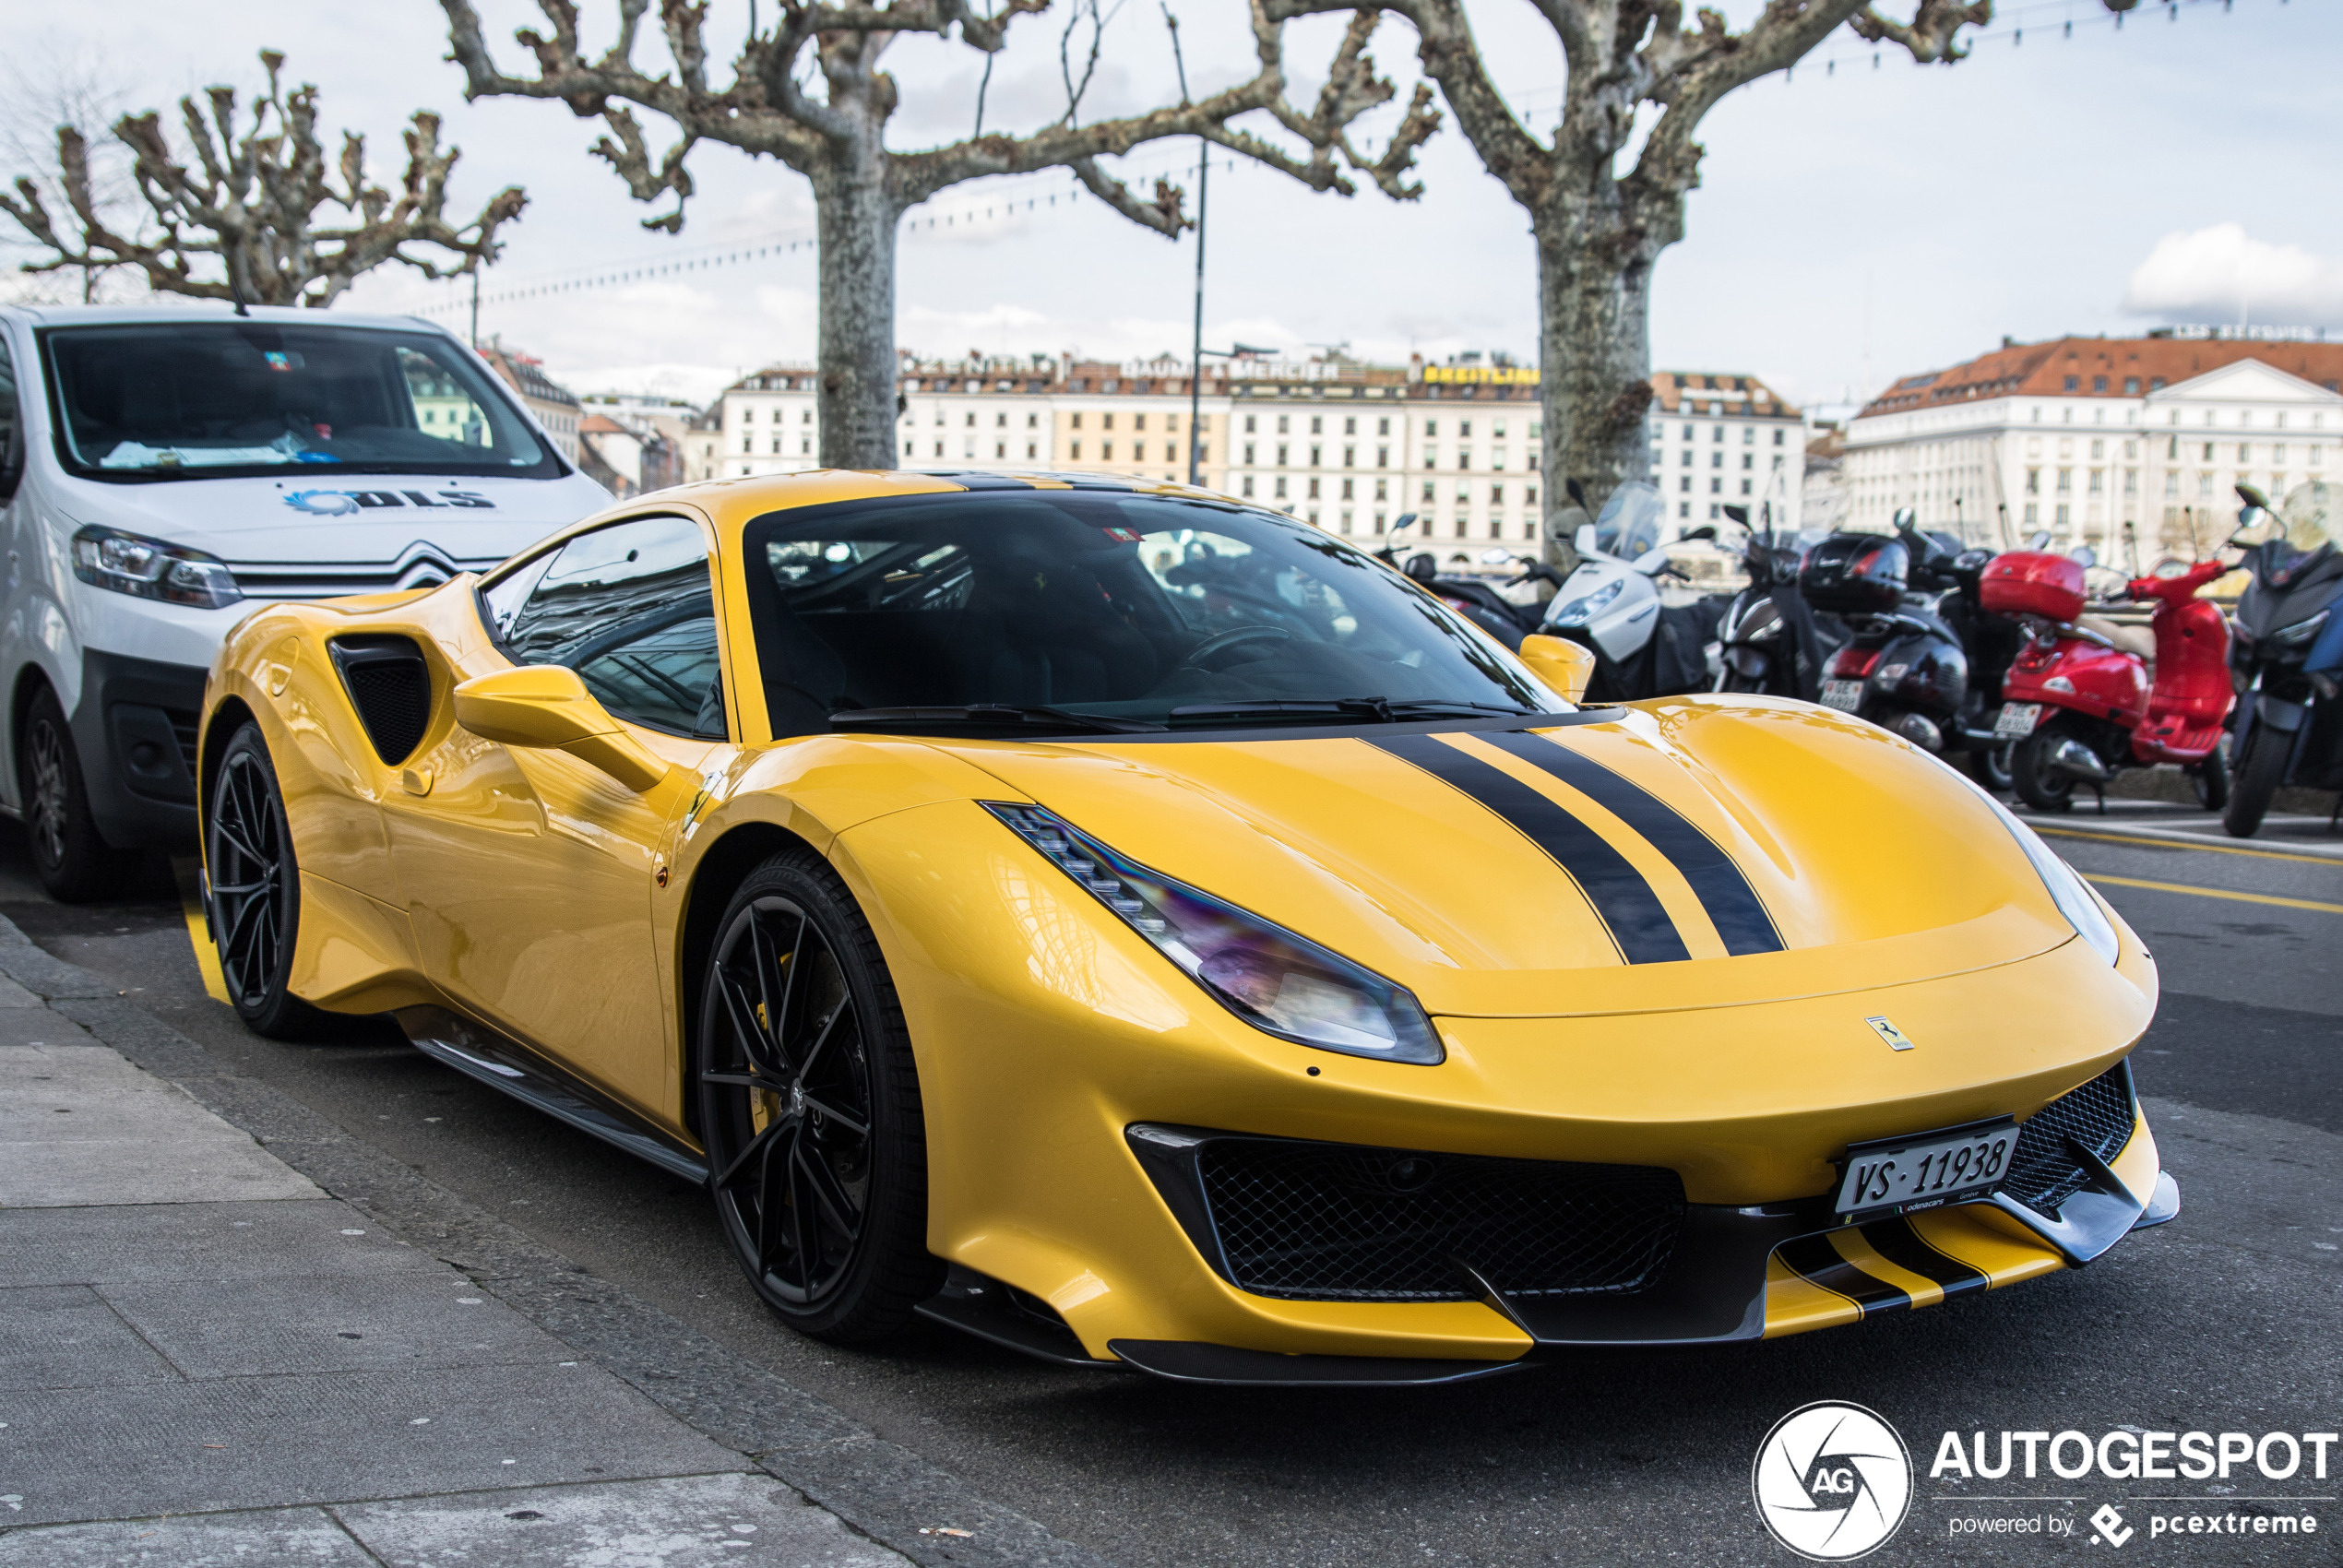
x=2100 y=367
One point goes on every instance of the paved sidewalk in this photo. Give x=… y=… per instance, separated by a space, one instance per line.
x=207 y=1359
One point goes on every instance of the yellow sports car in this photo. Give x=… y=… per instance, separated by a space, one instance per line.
x=1150 y=932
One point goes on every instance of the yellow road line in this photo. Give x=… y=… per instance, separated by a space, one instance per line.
x=2217 y=893
x=190 y=876
x=2185 y=844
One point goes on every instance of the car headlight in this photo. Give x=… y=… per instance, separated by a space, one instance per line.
x=1279 y=982
x=148 y=569
x=2066 y=888
x=2302 y=630
x=1580 y=611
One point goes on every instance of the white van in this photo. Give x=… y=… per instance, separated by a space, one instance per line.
x=165 y=470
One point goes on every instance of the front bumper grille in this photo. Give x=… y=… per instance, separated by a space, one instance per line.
x=2043 y=1171
x=1342 y=1222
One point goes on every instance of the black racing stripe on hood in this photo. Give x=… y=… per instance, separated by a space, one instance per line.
x=1622 y=900
x=1895 y=1240
x=1733 y=904
x=1818 y=1261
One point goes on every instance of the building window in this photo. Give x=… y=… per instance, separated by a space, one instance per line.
x=1000 y=449
x=1350 y=456
x=2131 y=386
x=1281 y=452
x=2073 y=384
x=1077 y=420
x=2066 y=482
x=1686 y=485
x=1464 y=431
x=1382 y=454
x=1716 y=459
x=1427 y=493
x=1248 y=452
x=1031 y=450
x=1382 y=490
x=1033 y=421
x=1716 y=487
x=1106 y=449
x=1687 y=458
x=1284 y=424
x=1317 y=426
x=1314 y=490
x=1074 y=452
x=1748 y=459
x=2245 y=452
x=2033 y=513
x=1248 y=485
x=2060 y=521
x=1279 y=489
x=2099 y=450
x=2099 y=384
x=1496 y=497
x=1530 y=496
x=2092 y=487
x=1431 y=457
x=2171 y=483
x=1346 y=492
x=1315 y=461
x=1744 y=487
x=1431 y=428
x=939 y=450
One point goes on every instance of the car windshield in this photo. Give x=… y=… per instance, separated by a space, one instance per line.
x=1106 y=610
x=213 y=399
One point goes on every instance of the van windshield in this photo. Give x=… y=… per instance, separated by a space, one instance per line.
x=180 y=399
x=1068 y=608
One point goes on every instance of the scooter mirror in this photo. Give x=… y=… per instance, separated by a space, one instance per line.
x=1738 y=514
x=2253 y=497
x=1584 y=539
x=2040 y=540
x=1405 y=521
x=1707 y=531
x=1497 y=557
x=1578 y=494
x=2083 y=556
x=1422 y=567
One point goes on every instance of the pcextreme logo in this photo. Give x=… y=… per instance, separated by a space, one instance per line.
x=348 y=503
x=2108 y=1524
x=1832 y=1481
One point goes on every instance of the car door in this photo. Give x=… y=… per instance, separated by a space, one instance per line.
x=528 y=873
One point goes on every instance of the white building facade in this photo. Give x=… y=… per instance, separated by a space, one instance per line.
x=2132 y=446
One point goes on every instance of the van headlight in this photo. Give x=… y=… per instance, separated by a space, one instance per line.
x=148 y=569
x=1279 y=982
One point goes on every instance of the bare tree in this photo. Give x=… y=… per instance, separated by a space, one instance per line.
x=809 y=92
x=239 y=218
x=1598 y=231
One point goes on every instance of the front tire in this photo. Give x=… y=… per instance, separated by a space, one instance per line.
x=69 y=855
x=1994 y=766
x=810 y=1109
x=2038 y=784
x=2259 y=773
x=252 y=890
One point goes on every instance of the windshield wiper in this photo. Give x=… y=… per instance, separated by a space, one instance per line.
x=988 y=716
x=1382 y=710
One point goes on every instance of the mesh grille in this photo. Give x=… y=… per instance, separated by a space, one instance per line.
x=2042 y=1173
x=1338 y=1222
x=390 y=688
x=183 y=730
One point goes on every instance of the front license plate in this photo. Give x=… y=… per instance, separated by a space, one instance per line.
x=1844 y=696
x=1901 y=1175
x=2016 y=721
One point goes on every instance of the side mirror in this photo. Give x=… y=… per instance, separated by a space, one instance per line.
x=1422 y=567
x=2253 y=497
x=1578 y=494
x=547 y=708
x=1584 y=539
x=1708 y=530
x=1738 y=514
x=2083 y=556
x=1564 y=665
x=1406 y=520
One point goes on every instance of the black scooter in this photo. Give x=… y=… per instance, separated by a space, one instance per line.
x=1770 y=639
x=1926 y=661
x=1477 y=599
x=2286 y=658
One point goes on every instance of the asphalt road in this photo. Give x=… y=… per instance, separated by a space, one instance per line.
x=2227 y=1320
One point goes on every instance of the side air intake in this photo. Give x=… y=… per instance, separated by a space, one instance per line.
x=389 y=685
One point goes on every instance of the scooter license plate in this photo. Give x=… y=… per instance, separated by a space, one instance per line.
x=2016 y=721
x=1844 y=696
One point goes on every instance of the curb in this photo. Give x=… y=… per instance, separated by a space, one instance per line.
x=879 y=1488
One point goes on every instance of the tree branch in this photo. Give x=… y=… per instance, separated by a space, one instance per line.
x=1930 y=33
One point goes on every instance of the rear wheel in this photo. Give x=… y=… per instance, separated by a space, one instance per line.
x=2039 y=785
x=2211 y=778
x=70 y=856
x=810 y=1109
x=2260 y=770
x=252 y=884
x=1990 y=766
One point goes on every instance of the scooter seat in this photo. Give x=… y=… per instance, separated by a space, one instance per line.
x=2135 y=640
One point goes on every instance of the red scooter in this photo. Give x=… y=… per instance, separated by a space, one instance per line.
x=2080 y=705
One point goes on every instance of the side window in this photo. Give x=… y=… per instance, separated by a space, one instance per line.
x=11 y=429
x=631 y=609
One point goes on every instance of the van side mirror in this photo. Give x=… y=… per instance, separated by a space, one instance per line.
x=547 y=708
x=1562 y=665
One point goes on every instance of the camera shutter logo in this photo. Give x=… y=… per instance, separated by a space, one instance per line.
x=1832 y=1481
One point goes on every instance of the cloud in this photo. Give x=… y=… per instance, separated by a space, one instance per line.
x=2222 y=274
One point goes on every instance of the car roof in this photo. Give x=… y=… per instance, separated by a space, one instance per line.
x=209 y=310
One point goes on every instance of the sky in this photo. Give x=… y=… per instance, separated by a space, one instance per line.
x=1858 y=223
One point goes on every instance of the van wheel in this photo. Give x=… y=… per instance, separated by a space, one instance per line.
x=254 y=886
x=70 y=856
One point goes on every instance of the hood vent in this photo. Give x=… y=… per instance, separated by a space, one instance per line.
x=389 y=685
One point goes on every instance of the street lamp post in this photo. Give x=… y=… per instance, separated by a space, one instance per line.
x=1196 y=360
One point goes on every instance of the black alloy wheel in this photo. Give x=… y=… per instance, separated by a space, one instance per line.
x=2039 y=785
x=253 y=889
x=2261 y=768
x=70 y=856
x=810 y=1109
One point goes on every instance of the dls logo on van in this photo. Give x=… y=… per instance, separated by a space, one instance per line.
x=1832 y=1481
x=348 y=503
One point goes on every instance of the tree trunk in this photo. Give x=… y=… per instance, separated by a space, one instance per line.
x=1594 y=301
x=856 y=218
